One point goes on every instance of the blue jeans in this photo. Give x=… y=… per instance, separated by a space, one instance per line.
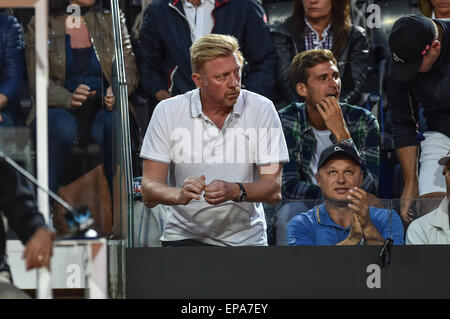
x=10 y=120
x=63 y=131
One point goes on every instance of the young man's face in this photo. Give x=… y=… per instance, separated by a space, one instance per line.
x=323 y=81
x=220 y=80
x=317 y=9
x=337 y=177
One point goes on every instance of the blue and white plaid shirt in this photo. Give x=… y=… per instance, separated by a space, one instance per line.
x=312 y=39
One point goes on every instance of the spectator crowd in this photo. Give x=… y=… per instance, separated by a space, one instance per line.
x=257 y=133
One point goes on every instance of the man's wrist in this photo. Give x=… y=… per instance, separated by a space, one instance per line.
x=345 y=135
x=354 y=240
x=242 y=194
x=49 y=232
x=236 y=191
x=162 y=95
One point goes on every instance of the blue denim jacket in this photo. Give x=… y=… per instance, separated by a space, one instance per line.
x=12 y=61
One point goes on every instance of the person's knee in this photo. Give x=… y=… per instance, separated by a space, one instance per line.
x=102 y=127
x=62 y=127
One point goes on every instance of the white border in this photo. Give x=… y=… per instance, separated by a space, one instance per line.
x=41 y=15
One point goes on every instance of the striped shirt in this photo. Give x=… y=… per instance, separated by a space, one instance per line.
x=364 y=131
x=312 y=39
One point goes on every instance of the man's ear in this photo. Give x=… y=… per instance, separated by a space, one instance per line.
x=197 y=78
x=302 y=90
x=318 y=178
x=436 y=45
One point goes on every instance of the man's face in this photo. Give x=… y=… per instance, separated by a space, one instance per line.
x=431 y=57
x=323 y=81
x=337 y=177
x=317 y=9
x=220 y=80
x=441 y=8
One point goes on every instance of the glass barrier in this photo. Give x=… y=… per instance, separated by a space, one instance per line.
x=425 y=219
x=386 y=216
x=91 y=73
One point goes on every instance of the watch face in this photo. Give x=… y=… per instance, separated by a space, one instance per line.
x=242 y=196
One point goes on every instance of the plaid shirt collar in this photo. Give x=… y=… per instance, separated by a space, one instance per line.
x=312 y=38
x=304 y=124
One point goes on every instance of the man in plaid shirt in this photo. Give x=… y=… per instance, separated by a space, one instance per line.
x=312 y=126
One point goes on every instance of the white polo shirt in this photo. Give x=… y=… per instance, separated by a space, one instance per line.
x=430 y=229
x=181 y=135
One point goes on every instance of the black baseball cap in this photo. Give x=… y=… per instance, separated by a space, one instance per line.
x=343 y=148
x=410 y=40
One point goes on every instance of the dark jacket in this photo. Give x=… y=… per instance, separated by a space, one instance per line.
x=165 y=39
x=12 y=61
x=18 y=204
x=431 y=90
x=352 y=63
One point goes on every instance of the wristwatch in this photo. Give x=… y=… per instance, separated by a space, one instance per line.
x=242 y=196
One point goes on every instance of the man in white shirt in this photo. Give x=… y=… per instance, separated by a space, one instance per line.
x=433 y=228
x=214 y=154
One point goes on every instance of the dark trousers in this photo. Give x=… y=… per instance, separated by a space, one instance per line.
x=63 y=130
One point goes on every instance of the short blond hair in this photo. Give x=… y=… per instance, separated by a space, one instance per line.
x=213 y=46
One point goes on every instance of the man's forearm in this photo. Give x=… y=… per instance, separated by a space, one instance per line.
x=342 y=134
x=349 y=242
x=407 y=157
x=155 y=193
x=264 y=190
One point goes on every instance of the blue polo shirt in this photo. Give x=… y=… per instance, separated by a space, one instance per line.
x=316 y=228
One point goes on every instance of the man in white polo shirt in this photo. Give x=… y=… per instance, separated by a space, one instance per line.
x=433 y=228
x=214 y=154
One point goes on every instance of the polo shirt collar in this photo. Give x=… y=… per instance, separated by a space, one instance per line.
x=196 y=104
x=440 y=220
x=324 y=218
